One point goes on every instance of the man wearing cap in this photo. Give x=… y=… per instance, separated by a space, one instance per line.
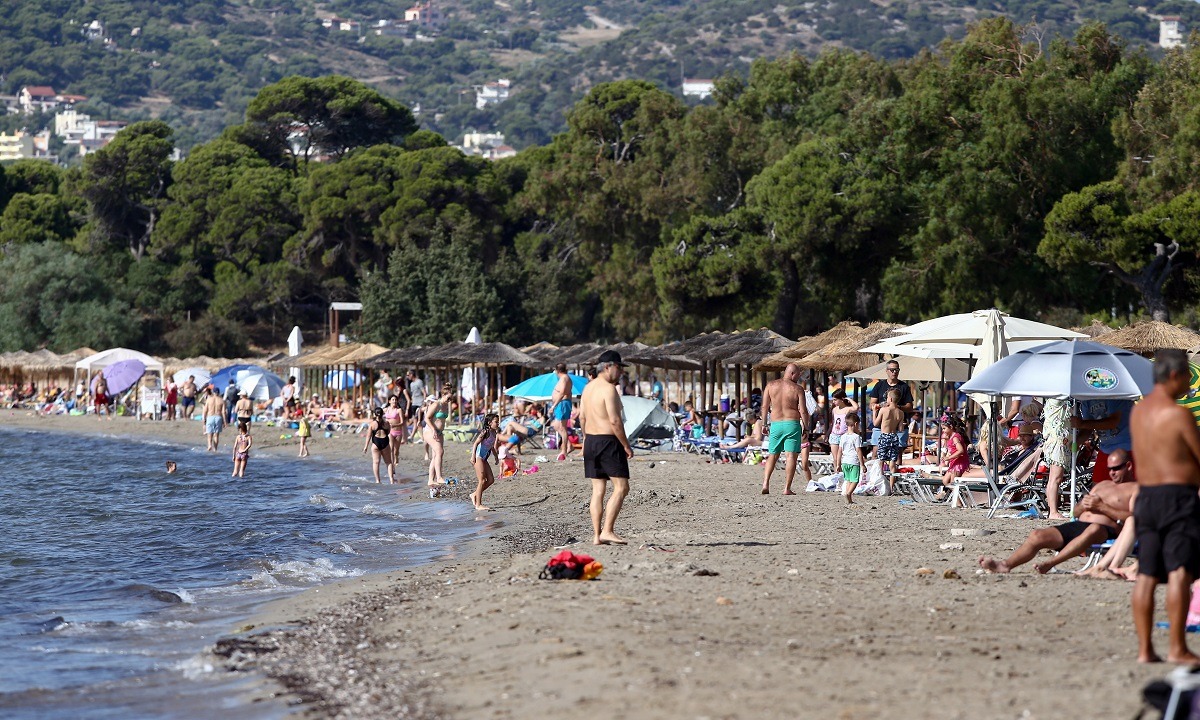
x=788 y=415
x=606 y=450
x=213 y=417
x=560 y=410
x=244 y=408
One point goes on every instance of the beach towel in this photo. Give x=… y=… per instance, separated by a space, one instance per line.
x=829 y=483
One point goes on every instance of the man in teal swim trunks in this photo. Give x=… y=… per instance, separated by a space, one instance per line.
x=560 y=410
x=783 y=404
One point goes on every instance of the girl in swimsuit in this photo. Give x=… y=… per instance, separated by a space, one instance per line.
x=842 y=406
x=481 y=451
x=435 y=422
x=380 y=445
x=395 y=418
x=241 y=450
x=954 y=436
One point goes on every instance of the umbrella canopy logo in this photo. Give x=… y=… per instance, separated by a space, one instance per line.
x=1100 y=378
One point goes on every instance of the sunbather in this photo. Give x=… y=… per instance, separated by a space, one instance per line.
x=1102 y=511
x=752 y=438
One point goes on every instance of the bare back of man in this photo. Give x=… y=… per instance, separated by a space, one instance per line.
x=788 y=413
x=1166 y=444
x=606 y=449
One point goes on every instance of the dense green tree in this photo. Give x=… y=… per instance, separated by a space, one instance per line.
x=125 y=184
x=328 y=115
x=35 y=218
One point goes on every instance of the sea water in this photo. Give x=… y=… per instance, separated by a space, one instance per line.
x=115 y=576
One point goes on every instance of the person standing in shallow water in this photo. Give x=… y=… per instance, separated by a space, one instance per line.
x=241 y=450
x=379 y=443
x=606 y=450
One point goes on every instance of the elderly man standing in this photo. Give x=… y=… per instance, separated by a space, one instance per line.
x=787 y=413
x=606 y=450
x=561 y=408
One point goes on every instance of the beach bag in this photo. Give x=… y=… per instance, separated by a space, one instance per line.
x=829 y=483
x=873 y=482
x=568 y=566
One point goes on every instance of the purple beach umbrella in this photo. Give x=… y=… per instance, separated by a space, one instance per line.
x=121 y=375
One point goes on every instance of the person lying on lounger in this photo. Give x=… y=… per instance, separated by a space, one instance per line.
x=1100 y=513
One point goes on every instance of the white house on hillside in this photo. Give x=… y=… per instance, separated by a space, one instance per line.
x=1171 y=32
x=697 y=88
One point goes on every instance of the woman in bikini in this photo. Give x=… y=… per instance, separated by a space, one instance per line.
x=395 y=417
x=481 y=451
x=436 y=413
x=380 y=444
x=241 y=450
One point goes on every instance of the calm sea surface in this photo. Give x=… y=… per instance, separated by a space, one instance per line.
x=114 y=576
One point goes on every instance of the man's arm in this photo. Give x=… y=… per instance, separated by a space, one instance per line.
x=613 y=404
x=766 y=402
x=1094 y=503
x=1188 y=430
x=805 y=418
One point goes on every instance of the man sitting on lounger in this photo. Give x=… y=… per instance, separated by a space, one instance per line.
x=1099 y=514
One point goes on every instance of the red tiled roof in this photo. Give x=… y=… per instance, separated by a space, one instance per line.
x=40 y=90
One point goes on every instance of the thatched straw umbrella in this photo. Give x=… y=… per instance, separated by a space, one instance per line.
x=1146 y=337
x=1095 y=330
x=806 y=346
x=845 y=355
x=543 y=352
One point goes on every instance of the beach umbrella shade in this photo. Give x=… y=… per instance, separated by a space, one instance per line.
x=1074 y=368
x=260 y=384
x=203 y=377
x=343 y=379
x=121 y=375
x=541 y=387
x=221 y=378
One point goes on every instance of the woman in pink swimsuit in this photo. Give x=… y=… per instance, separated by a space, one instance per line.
x=395 y=417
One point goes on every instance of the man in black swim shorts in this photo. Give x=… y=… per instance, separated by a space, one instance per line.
x=1166 y=513
x=606 y=450
x=1100 y=512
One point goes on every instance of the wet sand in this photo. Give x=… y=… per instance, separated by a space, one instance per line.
x=725 y=604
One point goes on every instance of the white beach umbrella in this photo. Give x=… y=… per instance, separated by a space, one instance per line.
x=202 y=376
x=260 y=385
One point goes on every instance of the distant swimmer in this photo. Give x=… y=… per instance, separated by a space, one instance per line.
x=170 y=467
x=606 y=450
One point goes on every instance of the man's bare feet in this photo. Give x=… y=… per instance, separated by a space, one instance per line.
x=993 y=565
x=609 y=539
x=1187 y=657
x=849 y=499
x=788 y=492
x=1151 y=658
x=482 y=508
x=1043 y=568
x=765 y=491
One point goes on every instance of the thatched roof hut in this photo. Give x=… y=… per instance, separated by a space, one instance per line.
x=846 y=354
x=495 y=353
x=1146 y=337
x=1095 y=330
x=750 y=347
x=806 y=346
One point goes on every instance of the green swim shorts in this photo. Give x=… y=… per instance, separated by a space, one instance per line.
x=786 y=436
x=851 y=473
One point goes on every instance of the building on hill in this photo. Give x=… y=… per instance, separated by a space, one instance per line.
x=42 y=98
x=1171 y=32
x=490 y=146
x=424 y=14
x=492 y=93
x=388 y=28
x=697 y=88
x=93 y=31
x=22 y=145
x=83 y=132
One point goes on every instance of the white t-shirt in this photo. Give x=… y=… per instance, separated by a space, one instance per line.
x=850 y=443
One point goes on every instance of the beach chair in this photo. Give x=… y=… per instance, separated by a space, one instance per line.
x=463 y=433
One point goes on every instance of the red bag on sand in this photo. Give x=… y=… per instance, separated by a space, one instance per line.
x=568 y=566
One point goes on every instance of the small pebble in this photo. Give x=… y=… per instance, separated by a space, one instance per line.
x=924 y=571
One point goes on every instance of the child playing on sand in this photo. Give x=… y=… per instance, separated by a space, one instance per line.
x=842 y=406
x=955 y=460
x=510 y=464
x=304 y=432
x=852 y=458
x=241 y=450
x=889 y=418
x=481 y=451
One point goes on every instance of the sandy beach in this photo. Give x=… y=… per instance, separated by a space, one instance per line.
x=725 y=604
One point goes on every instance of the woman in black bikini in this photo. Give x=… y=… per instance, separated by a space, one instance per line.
x=380 y=443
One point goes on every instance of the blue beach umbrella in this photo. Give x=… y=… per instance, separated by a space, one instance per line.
x=342 y=379
x=541 y=388
x=221 y=378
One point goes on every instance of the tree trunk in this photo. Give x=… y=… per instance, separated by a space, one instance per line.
x=785 y=304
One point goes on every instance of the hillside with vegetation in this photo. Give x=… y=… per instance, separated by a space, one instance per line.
x=1051 y=179
x=197 y=65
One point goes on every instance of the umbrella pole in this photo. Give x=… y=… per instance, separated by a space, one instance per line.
x=1074 y=453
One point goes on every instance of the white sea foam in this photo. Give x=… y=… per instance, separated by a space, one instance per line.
x=372 y=510
x=326 y=502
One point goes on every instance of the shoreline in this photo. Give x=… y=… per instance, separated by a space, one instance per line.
x=804 y=607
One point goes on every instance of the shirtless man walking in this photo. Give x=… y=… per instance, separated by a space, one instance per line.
x=560 y=412
x=1166 y=510
x=606 y=450
x=787 y=411
x=213 y=417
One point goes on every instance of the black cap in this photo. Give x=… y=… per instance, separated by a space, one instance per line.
x=610 y=356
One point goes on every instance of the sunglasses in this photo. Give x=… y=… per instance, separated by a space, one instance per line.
x=893 y=369
x=1115 y=467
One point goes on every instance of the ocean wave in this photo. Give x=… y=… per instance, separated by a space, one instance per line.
x=372 y=510
x=327 y=502
x=276 y=573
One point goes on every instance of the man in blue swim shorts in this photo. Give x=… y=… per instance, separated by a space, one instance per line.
x=560 y=414
x=213 y=417
x=787 y=412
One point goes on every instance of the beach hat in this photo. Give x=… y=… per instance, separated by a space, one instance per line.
x=242 y=393
x=610 y=356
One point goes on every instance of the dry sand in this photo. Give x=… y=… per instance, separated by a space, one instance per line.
x=805 y=608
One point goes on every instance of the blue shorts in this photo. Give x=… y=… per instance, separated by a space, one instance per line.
x=213 y=425
x=902 y=436
x=562 y=411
